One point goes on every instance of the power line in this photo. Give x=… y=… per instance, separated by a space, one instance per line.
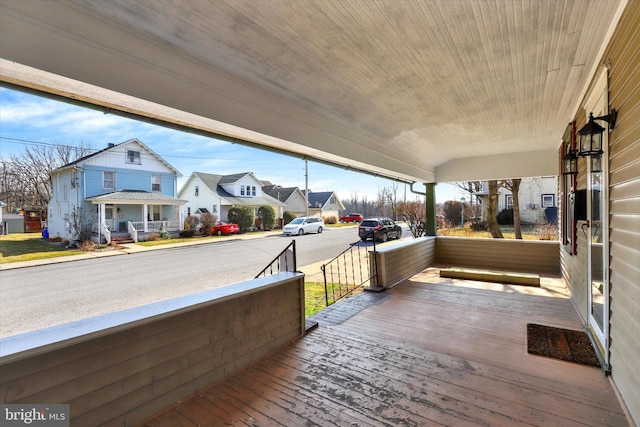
x=88 y=149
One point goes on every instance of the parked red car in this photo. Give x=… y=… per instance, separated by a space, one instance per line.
x=225 y=228
x=352 y=217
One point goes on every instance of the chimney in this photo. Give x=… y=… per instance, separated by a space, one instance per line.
x=111 y=144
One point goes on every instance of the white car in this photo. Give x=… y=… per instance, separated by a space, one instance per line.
x=303 y=225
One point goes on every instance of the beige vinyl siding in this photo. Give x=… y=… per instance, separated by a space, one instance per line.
x=400 y=261
x=624 y=208
x=121 y=374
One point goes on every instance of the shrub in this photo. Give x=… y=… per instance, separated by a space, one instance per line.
x=267 y=217
x=187 y=233
x=208 y=221
x=479 y=226
x=191 y=223
x=330 y=220
x=241 y=215
x=505 y=217
x=87 y=246
x=152 y=237
x=287 y=217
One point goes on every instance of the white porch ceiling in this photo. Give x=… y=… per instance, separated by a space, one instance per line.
x=418 y=90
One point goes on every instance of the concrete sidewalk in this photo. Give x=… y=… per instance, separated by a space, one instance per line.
x=131 y=248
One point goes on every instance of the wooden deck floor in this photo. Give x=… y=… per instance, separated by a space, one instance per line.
x=428 y=352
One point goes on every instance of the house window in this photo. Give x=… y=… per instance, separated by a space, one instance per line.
x=156 y=180
x=108 y=180
x=253 y=190
x=548 y=200
x=242 y=190
x=508 y=198
x=188 y=211
x=197 y=191
x=214 y=209
x=64 y=196
x=133 y=157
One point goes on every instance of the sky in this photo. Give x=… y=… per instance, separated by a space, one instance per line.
x=29 y=120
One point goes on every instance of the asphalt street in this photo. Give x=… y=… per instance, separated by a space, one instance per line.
x=37 y=295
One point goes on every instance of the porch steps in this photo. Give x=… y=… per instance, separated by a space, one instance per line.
x=122 y=239
x=526 y=279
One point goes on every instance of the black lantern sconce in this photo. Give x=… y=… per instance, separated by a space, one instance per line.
x=570 y=163
x=591 y=134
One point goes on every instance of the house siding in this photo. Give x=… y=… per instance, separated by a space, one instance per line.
x=126 y=179
x=623 y=55
x=624 y=207
x=205 y=198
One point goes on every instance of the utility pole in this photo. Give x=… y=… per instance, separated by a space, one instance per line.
x=306 y=186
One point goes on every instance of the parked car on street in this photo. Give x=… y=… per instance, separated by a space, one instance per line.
x=352 y=217
x=225 y=228
x=381 y=229
x=303 y=225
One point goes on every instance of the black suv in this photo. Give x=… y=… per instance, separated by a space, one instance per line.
x=381 y=229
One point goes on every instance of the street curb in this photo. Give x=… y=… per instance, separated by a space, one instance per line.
x=127 y=250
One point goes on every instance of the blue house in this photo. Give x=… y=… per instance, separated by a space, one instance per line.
x=125 y=189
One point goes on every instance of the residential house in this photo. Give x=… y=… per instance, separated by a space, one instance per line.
x=216 y=194
x=325 y=204
x=538 y=199
x=125 y=188
x=293 y=198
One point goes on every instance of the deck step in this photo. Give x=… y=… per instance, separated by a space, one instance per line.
x=527 y=279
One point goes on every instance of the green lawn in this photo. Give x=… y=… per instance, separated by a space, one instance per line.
x=30 y=246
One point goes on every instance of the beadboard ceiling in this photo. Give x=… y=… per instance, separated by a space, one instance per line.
x=417 y=90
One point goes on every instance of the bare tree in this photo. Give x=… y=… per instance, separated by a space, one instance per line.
x=492 y=210
x=513 y=185
x=25 y=177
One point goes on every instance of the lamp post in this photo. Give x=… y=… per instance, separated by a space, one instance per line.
x=462 y=212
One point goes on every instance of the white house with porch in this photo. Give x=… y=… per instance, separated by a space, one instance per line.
x=125 y=189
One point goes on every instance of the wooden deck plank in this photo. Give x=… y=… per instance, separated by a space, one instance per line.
x=430 y=351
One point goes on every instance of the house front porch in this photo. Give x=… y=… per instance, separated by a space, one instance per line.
x=429 y=351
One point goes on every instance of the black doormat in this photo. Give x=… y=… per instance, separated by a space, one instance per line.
x=563 y=344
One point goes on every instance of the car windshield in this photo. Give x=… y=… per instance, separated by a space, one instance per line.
x=297 y=221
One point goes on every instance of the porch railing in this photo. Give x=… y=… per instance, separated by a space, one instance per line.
x=133 y=232
x=350 y=270
x=155 y=225
x=284 y=261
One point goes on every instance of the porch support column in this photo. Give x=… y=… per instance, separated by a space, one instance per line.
x=430 y=208
x=145 y=215
x=101 y=215
x=180 y=218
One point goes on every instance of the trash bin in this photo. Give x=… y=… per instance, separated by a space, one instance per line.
x=45 y=233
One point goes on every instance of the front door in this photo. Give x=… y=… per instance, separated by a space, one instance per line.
x=110 y=217
x=596 y=229
x=597 y=263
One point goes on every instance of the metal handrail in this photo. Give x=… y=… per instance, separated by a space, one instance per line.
x=346 y=269
x=281 y=260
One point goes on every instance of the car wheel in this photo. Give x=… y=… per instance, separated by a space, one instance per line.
x=219 y=233
x=300 y=232
x=385 y=237
x=319 y=230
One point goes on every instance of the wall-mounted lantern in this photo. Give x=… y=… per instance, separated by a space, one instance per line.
x=591 y=134
x=570 y=163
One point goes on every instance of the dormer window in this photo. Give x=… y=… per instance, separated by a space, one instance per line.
x=133 y=157
x=197 y=191
x=242 y=191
